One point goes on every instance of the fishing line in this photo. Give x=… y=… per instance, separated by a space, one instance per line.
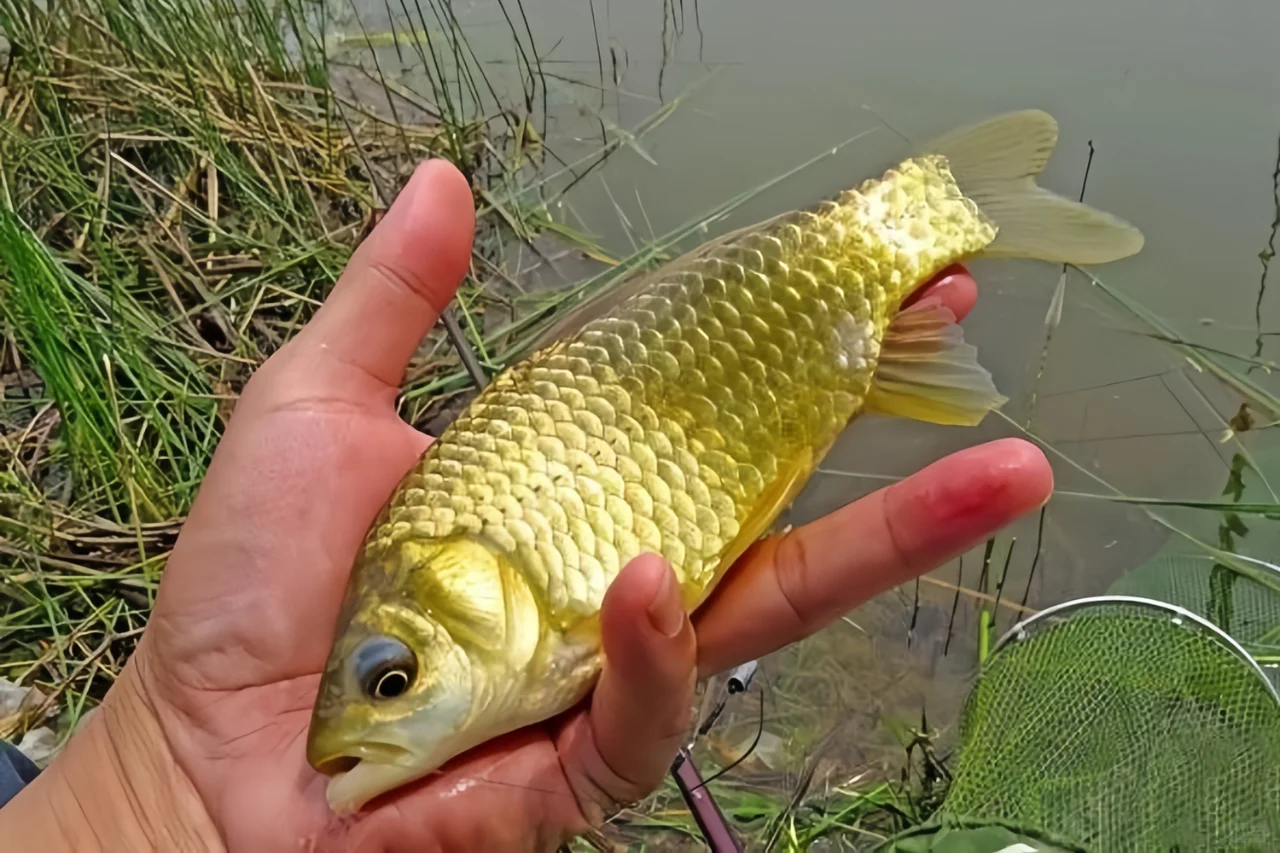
x=915 y=614
x=739 y=681
x=885 y=122
x=754 y=743
x=1156 y=375
x=1054 y=316
x=453 y=782
x=517 y=786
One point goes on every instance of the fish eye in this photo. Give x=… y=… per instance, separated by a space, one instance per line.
x=391 y=684
x=385 y=667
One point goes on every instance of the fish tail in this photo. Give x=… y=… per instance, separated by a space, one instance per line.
x=995 y=163
x=926 y=370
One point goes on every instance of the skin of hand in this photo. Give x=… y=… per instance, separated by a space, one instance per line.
x=200 y=743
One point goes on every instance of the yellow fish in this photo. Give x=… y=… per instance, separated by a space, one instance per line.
x=679 y=413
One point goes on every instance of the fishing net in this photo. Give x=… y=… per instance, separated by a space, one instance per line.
x=1243 y=607
x=1113 y=724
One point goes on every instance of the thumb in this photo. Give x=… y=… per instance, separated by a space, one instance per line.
x=642 y=706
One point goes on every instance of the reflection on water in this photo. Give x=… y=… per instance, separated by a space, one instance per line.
x=1178 y=99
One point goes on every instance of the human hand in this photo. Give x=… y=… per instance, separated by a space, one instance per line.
x=214 y=705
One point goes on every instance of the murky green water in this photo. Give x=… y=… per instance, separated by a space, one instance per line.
x=1181 y=101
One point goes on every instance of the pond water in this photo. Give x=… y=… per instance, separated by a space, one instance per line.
x=1179 y=102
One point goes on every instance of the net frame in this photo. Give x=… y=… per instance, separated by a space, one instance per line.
x=1024 y=629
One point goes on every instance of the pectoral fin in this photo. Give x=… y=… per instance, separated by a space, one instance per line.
x=928 y=373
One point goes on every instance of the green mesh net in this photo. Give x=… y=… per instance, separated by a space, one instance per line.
x=1113 y=724
x=1244 y=608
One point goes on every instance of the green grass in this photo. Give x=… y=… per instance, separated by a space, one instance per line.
x=868 y=811
x=181 y=182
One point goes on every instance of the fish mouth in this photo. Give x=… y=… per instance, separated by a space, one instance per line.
x=356 y=781
x=363 y=763
x=343 y=761
x=364 y=771
x=337 y=766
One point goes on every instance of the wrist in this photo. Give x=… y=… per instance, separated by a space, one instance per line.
x=114 y=787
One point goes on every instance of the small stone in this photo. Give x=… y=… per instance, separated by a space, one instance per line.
x=40 y=745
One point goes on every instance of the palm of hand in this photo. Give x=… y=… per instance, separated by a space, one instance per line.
x=232 y=659
x=246 y=617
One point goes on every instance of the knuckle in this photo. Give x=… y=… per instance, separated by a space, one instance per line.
x=278 y=374
x=599 y=802
x=791 y=568
x=598 y=790
x=403 y=283
x=901 y=555
x=677 y=724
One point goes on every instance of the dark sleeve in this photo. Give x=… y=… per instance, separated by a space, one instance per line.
x=16 y=771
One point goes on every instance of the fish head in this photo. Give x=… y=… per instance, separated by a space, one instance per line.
x=397 y=698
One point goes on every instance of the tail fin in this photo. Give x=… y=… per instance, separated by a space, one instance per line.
x=995 y=163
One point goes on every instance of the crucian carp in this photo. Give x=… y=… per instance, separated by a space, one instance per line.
x=678 y=413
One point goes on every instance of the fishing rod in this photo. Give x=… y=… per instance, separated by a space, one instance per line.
x=702 y=804
x=706 y=811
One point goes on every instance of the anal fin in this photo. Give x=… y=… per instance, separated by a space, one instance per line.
x=928 y=373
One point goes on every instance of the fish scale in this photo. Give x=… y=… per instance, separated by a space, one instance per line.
x=673 y=414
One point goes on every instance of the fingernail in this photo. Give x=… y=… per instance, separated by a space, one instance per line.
x=666 y=612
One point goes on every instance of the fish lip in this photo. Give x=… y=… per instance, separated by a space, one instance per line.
x=350 y=790
x=339 y=762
